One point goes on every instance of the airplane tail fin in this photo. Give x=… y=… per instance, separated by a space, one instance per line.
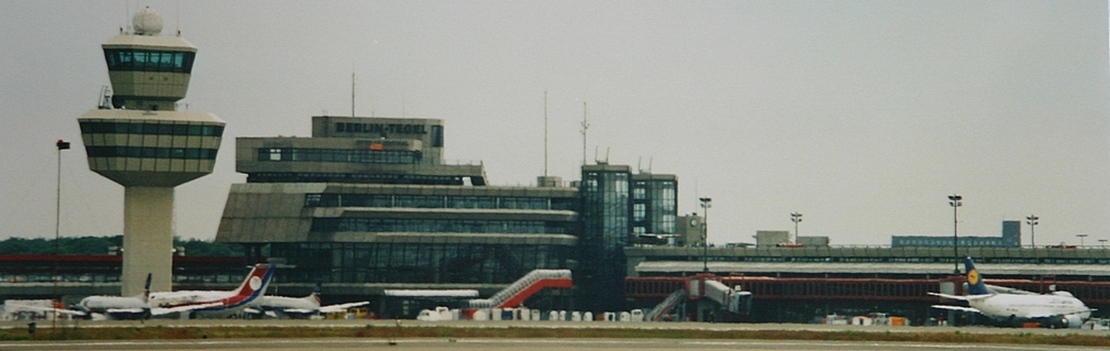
x=146 y=288
x=315 y=296
x=257 y=280
x=974 y=280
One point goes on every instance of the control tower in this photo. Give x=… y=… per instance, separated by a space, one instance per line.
x=138 y=139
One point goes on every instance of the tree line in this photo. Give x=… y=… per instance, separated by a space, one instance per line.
x=99 y=245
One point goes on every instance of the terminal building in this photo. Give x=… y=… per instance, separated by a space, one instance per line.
x=1011 y=237
x=370 y=204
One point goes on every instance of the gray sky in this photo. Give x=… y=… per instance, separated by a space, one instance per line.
x=862 y=115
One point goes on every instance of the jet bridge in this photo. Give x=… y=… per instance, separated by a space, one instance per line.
x=733 y=300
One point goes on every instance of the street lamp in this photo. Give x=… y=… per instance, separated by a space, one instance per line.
x=706 y=203
x=956 y=201
x=62 y=145
x=1081 y=236
x=795 y=217
x=1102 y=242
x=1032 y=221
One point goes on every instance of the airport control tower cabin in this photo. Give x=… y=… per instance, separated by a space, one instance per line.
x=137 y=138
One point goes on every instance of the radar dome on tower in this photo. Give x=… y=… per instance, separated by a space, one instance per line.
x=147 y=22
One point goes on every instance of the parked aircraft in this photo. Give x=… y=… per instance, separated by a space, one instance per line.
x=1058 y=309
x=196 y=304
x=115 y=307
x=297 y=307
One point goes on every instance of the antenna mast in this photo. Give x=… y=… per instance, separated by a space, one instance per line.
x=585 y=126
x=545 y=133
x=352 y=94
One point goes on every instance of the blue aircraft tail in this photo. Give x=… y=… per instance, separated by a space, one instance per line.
x=975 y=283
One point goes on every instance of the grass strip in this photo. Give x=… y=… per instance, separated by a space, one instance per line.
x=455 y=332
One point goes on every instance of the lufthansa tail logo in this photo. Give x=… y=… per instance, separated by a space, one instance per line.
x=973 y=277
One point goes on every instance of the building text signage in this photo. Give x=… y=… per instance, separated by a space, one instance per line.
x=380 y=128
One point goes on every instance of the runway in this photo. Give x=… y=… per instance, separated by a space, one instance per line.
x=351 y=344
x=485 y=343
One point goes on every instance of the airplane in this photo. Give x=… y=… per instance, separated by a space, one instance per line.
x=115 y=307
x=297 y=307
x=1058 y=309
x=184 y=304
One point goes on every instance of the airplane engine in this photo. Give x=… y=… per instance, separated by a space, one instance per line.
x=1072 y=322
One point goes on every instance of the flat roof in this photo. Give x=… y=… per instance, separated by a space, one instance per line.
x=869 y=268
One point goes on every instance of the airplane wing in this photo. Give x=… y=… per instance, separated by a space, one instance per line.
x=342 y=307
x=957 y=308
x=48 y=309
x=186 y=308
x=124 y=310
x=961 y=298
x=1051 y=314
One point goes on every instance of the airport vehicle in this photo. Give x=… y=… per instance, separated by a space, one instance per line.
x=183 y=304
x=297 y=307
x=1058 y=309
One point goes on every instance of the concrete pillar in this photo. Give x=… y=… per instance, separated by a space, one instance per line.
x=147 y=239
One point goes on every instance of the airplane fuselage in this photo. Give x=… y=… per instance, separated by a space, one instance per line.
x=1029 y=307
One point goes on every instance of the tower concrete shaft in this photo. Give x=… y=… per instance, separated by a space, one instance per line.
x=147 y=239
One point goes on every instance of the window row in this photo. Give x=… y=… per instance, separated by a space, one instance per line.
x=340 y=155
x=416 y=263
x=152 y=152
x=151 y=129
x=148 y=60
x=372 y=178
x=383 y=225
x=439 y=201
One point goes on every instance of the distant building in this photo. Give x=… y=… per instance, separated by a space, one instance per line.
x=813 y=241
x=771 y=238
x=1011 y=237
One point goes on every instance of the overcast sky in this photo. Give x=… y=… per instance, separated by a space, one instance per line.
x=862 y=115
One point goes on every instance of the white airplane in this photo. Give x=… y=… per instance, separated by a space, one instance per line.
x=197 y=304
x=1058 y=309
x=115 y=307
x=297 y=307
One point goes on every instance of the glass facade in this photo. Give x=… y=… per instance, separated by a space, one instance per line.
x=339 y=155
x=428 y=263
x=149 y=60
x=606 y=229
x=654 y=205
x=391 y=225
x=377 y=178
x=439 y=201
x=151 y=129
x=152 y=152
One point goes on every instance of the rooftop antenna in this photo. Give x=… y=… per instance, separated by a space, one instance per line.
x=352 y=93
x=639 y=167
x=545 y=133
x=585 y=126
x=177 y=5
x=105 y=98
x=650 y=161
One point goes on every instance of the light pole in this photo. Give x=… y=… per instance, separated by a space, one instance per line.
x=1102 y=242
x=62 y=145
x=706 y=203
x=1081 y=236
x=956 y=201
x=795 y=217
x=1032 y=221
